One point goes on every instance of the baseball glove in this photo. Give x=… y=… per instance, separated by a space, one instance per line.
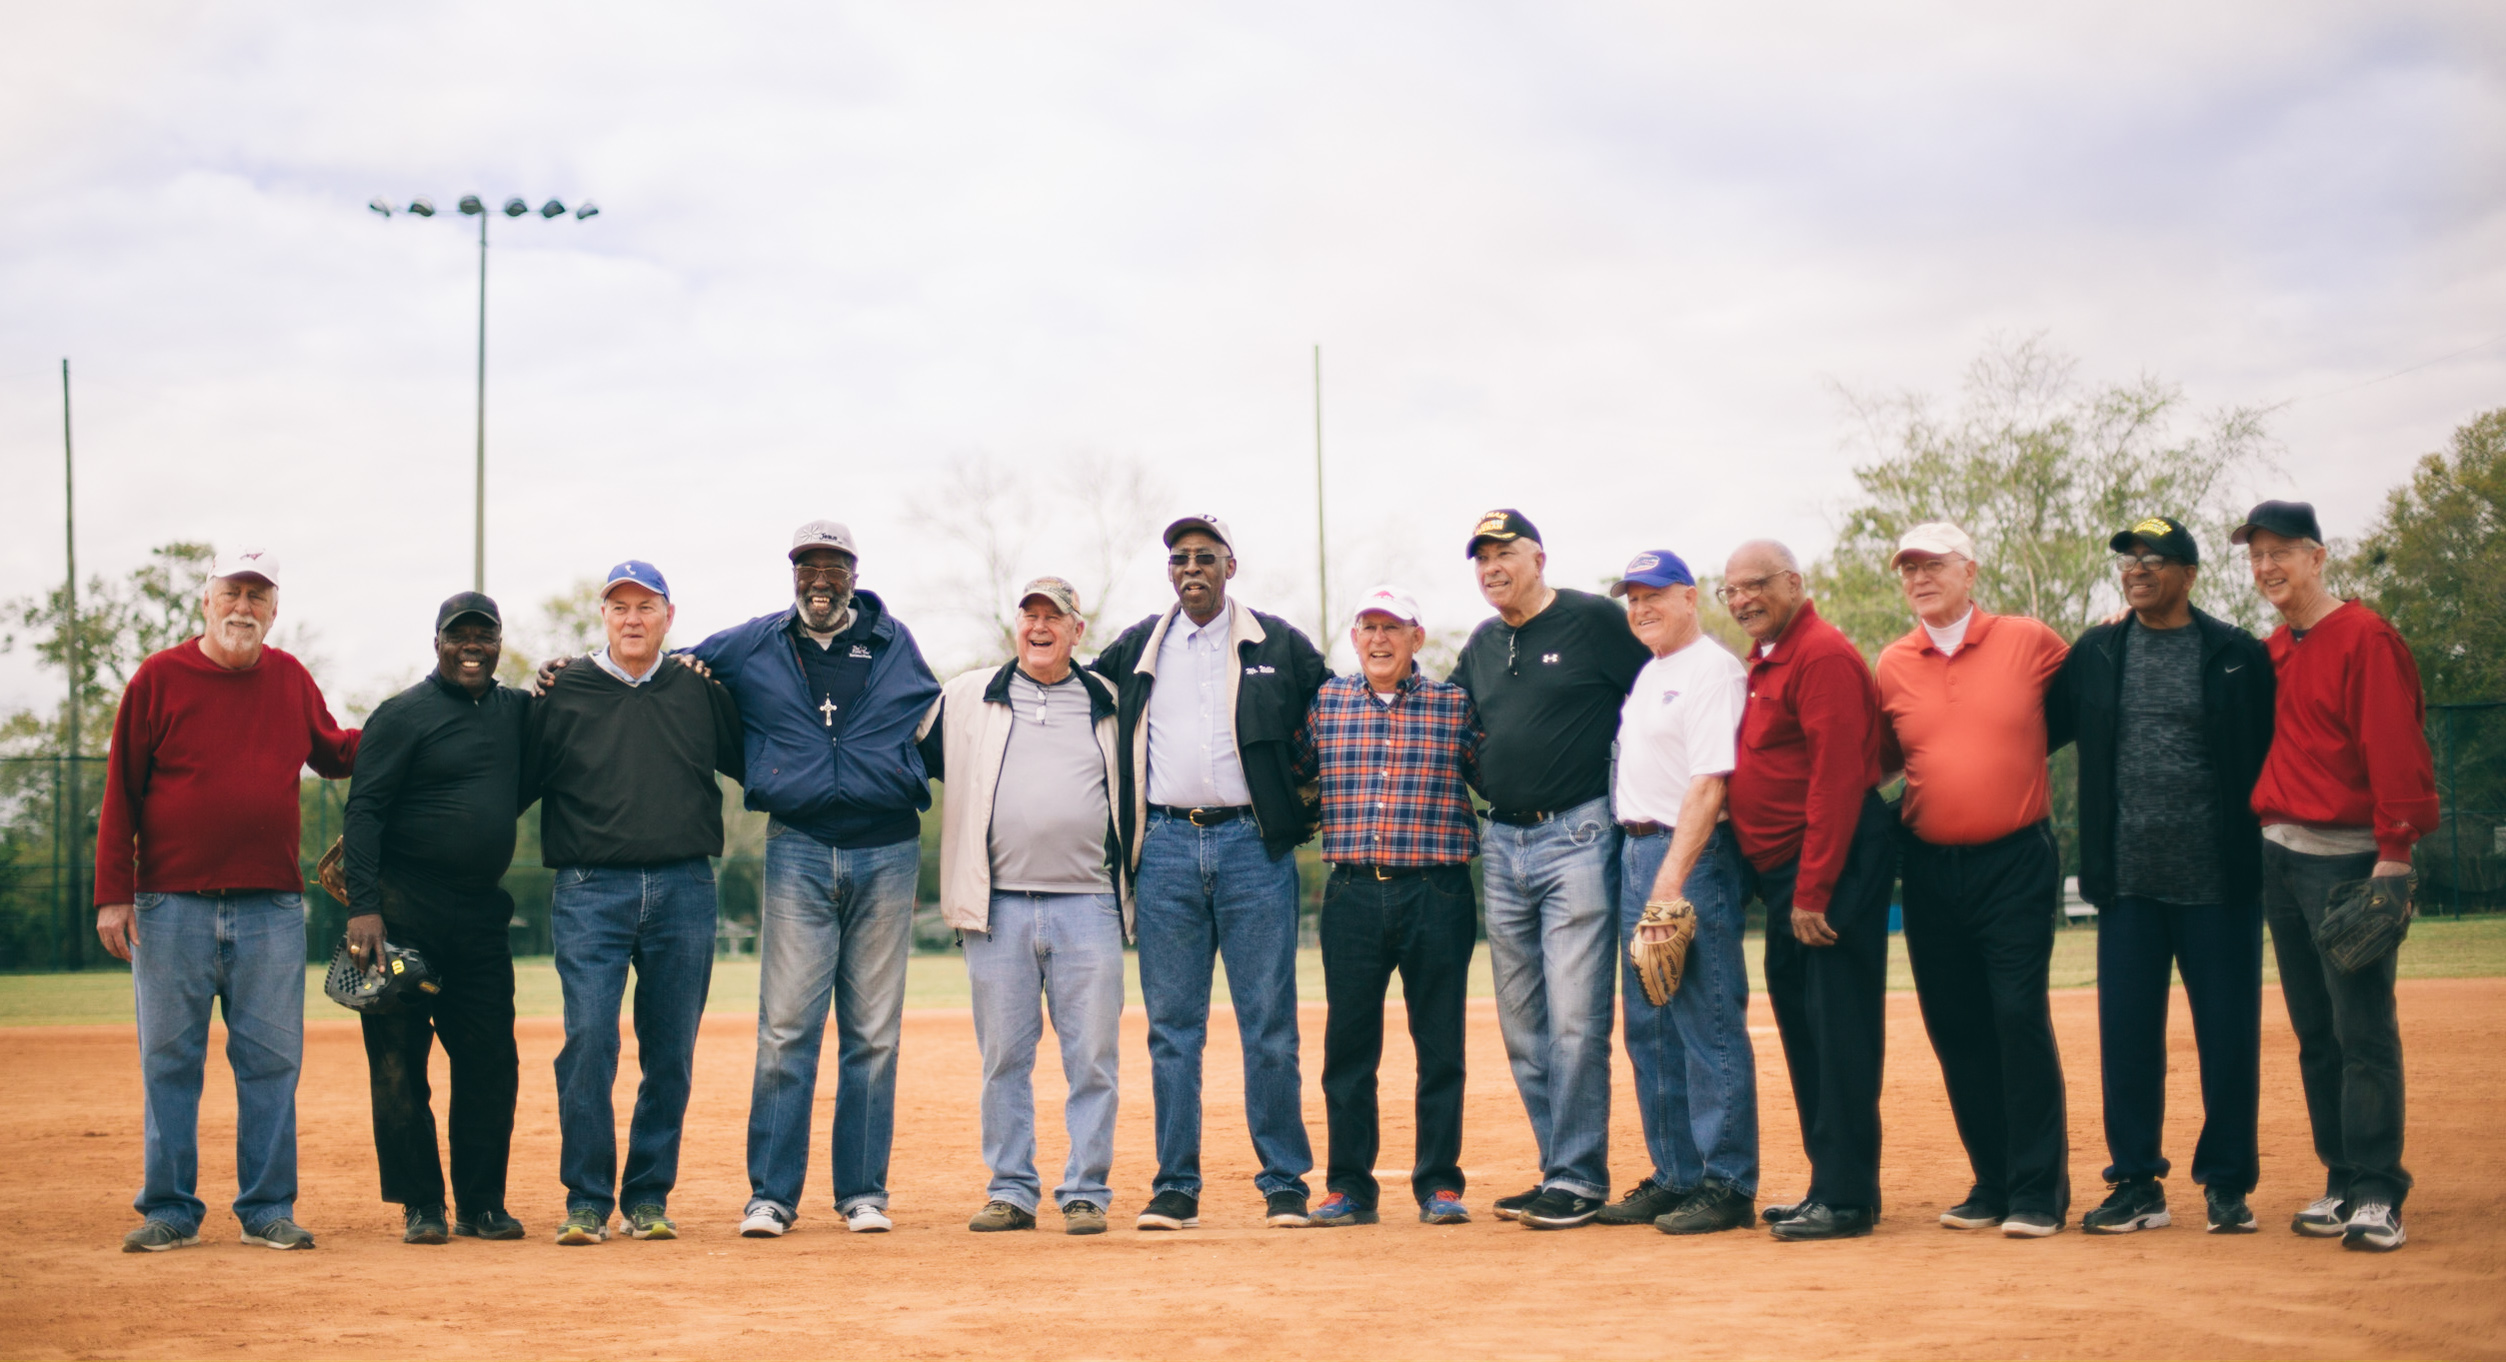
x=1660 y=963
x=2364 y=921
x=331 y=871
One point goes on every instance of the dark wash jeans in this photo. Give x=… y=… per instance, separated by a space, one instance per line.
x=1423 y=926
x=659 y=918
x=1980 y=935
x=2349 y=1037
x=1696 y=1072
x=2217 y=947
x=1831 y=1008
x=473 y=1016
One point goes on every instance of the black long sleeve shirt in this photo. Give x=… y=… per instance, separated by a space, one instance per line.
x=438 y=787
x=625 y=774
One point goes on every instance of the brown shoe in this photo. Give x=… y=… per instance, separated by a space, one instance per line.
x=1000 y=1215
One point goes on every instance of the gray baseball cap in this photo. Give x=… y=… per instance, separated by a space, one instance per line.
x=1210 y=525
x=822 y=534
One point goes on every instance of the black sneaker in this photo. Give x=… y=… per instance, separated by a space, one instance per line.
x=2135 y=1204
x=423 y=1225
x=1511 y=1207
x=487 y=1224
x=1285 y=1211
x=1974 y=1213
x=1710 y=1208
x=1170 y=1211
x=2228 y=1212
x=1559 y=1209
x=1644 y=1203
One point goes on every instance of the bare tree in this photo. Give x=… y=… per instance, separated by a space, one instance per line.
x=980 y=509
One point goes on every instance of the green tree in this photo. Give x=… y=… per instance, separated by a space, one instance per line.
x=2435 y=563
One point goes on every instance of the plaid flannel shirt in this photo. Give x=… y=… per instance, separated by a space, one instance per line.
x=1393 y=776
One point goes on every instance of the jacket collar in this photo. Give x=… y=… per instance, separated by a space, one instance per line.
x=455 y=691
x=1783 y=644
x=1242 y=628
x=1100 y=694
x=866 y=605
x=2216 y=635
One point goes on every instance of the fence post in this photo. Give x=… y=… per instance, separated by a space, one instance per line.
x=2453 y=798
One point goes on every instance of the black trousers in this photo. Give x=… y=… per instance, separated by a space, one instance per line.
x=1831 y=1008
x=1980 y=935
x=1424 y=927
x=468 y=953
x=2349 y=1036
x=2217 y=947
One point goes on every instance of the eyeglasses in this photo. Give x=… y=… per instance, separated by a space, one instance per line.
x=1744 y=586
x=1189 y=558
x=812 y=576
x=2279 y=557
x=1929 y=567
x=2135 y=562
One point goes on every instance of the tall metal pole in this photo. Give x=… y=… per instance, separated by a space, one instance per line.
x=1322 y=541
x=478 y=541
x=69 y=539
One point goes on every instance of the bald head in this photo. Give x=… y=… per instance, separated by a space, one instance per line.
x=1762 y=586
x=1762 y=555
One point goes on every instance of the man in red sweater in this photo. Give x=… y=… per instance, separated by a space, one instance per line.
x=197 y=886
x=2347 y=789
x=1817 y=836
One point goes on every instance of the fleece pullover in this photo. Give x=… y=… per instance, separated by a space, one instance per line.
x=2349 y=747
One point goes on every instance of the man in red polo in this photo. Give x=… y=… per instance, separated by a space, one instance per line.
x=1963 y=699
x=1817 y=836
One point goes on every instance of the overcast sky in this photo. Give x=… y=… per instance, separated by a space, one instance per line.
x=1600 y=262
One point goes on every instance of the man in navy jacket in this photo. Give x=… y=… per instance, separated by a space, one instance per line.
x=830 y=692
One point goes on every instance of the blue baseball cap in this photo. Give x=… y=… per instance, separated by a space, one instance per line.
x=1654 y=567
x=641 y=573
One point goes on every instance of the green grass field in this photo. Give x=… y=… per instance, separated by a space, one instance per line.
x=2438 y=948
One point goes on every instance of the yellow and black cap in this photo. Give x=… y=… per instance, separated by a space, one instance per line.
x=1504 y=525
x=2163 y=534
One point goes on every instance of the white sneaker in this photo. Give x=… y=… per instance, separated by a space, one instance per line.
x=2375 y=1226
x=868 y=1219
x=763 y=1223
x=2323 y=1218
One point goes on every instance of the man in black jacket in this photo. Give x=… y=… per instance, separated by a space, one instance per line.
x=2172 y=710
x=427 y=836
x=1210 y=695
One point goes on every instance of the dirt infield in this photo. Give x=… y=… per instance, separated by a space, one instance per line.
x=69 y=1138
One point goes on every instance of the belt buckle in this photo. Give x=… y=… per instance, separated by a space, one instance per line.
x=1379 y=872
x=1193 y=816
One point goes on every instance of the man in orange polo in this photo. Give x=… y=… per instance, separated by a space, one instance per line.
x=1962 y=701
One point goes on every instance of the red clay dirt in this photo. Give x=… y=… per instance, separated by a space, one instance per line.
x=70 y=1131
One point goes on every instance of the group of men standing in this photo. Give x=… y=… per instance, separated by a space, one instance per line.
x=1632 y=770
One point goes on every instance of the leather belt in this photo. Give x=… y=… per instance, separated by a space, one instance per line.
x=1521 y=818
x=1386 y=872
x=1204 y=818
x=1643 y=829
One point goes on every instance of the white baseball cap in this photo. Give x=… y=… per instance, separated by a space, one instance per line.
x=1210 y=525
x=822 y=534
x=1390 y=600
x=259 y=563
x=1936 y=537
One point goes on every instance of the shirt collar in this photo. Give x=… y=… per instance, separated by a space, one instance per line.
x=601 y=657
x=454 y=689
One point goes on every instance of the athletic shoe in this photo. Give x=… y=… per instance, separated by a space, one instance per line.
x=1511 y=1207
x=2228 y=1212
x=868 y=1219
x=1285 y=1211
x=156 y=1236
x=1644 y=1203
x=1444 y=1208
x=583 y=1225
x=487 y=1224
x=2133 y=1204
x=1339 y=1208
x=281 y=1233
x=2031 y=1225
x=1710 y=1208
x=1782 y=1211
x=998 y=1215
x=1818 y=1220
x=423 y=1225
x=1170 y=1210
x=1974 y=1213
x=1559 y=1209
x=2375 y=1226
x=648 y=1222
x=2325 y=1217
x=1083 y=1217
x=763 y=1222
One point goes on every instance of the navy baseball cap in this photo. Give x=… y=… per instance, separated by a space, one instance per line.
x=1654 y=567
x=2287 y=519
x=641 y=573
x=466 y=605
x=1505 y=525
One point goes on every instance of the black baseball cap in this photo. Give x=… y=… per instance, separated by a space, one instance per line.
x=1505 y=525
x=2287 y=519
x=467 y=603
x=2164 y=534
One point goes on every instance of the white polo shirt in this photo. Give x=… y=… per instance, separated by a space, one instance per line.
x=1680 y=721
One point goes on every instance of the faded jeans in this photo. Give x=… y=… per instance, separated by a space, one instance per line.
x=1696 y=1072
x=1552 y=895
x=1062 y=951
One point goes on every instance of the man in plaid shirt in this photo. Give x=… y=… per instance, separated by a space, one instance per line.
x=1392 y=751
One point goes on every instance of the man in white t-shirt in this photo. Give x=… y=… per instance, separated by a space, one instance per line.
x=1696 y=1075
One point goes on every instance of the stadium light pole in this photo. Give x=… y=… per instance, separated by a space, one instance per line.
x=473 y=206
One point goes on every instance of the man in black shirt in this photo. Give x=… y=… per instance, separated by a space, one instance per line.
x=624 y=746
x=427 y=836
x=1549 y=675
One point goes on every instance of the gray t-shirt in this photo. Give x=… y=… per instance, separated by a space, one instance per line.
x=2166 y=823
x=1048 y=814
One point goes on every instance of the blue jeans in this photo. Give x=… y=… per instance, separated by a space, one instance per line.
x=1062 y=951
x=836 y=925
x=245 y=951
x=1696 y=1073
x=1216 y=892
x=660 y=918
x=1552 y=892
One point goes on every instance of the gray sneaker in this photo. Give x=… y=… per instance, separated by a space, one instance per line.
x=281 y=1233
x=2375 y=1226
x=1644 y=1203
x=1083 y=1217
x=156 y=1236
x=997 y=1216
x=1708 y=1210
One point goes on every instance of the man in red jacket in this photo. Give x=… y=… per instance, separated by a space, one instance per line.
x=197 y=886
x=2346 y=790
x=1817 y=836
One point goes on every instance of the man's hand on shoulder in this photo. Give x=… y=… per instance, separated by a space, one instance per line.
x=548 y=674
x=688 y=660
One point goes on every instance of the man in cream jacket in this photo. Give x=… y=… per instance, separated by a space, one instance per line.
x=1031 y=879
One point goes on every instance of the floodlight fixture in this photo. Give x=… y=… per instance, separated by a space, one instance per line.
x=471 y=207
x=586 y=210
x=380 y=207
x=424 y=208
x=515 y=208
x=552 y=209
